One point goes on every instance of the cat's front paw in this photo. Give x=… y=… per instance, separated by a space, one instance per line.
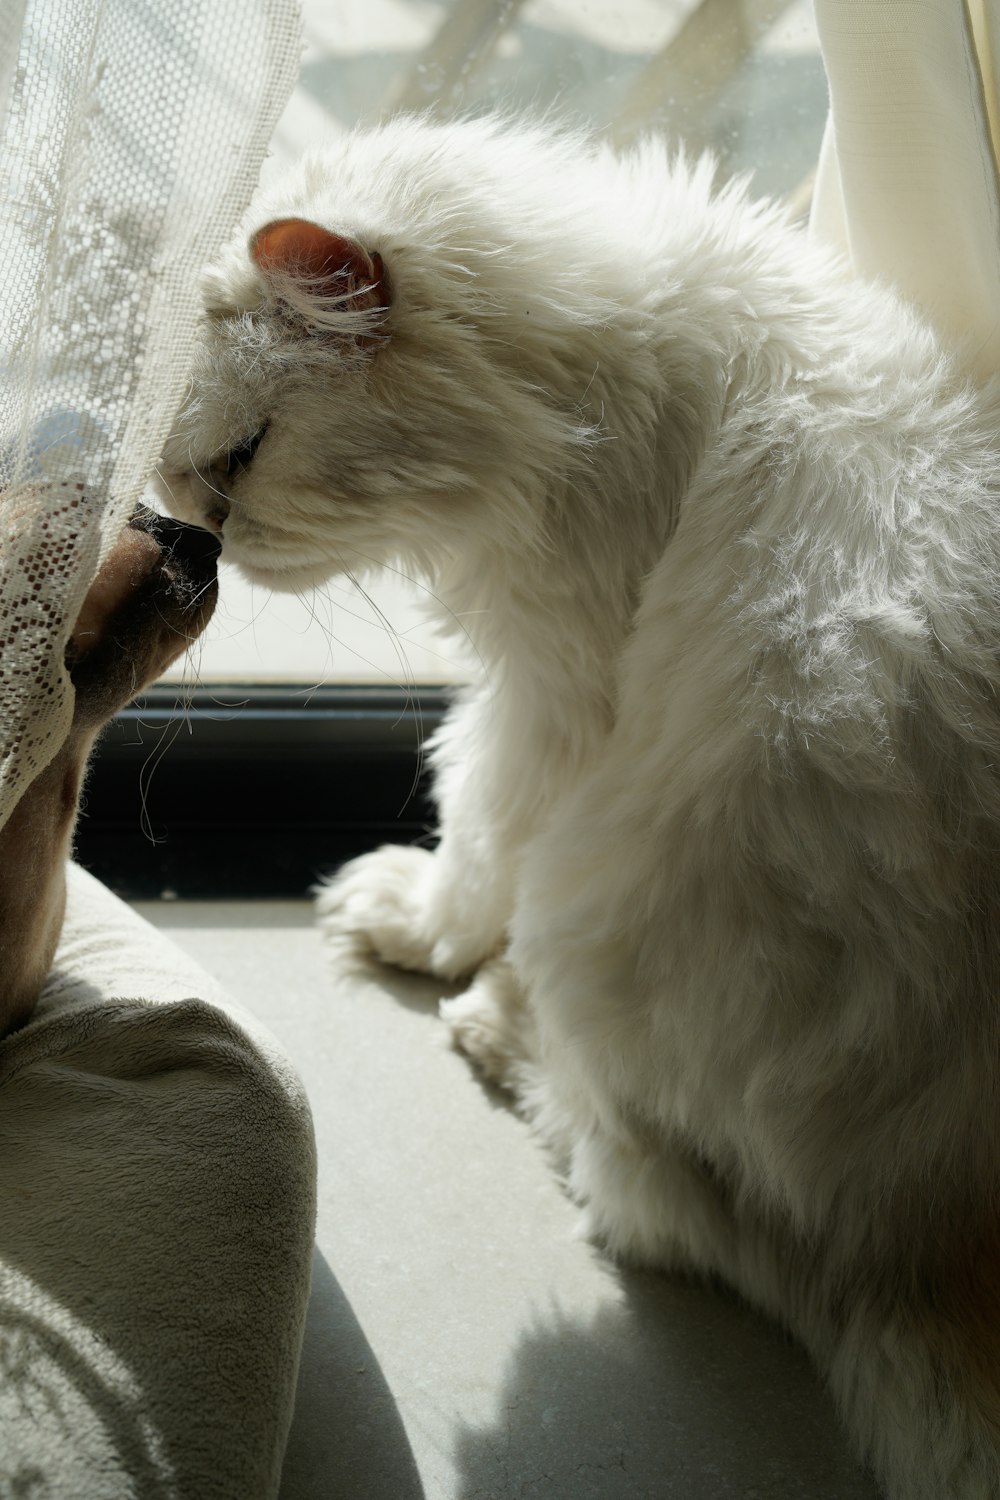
x=416 y=909
x=492 y=1025
x=378 y=905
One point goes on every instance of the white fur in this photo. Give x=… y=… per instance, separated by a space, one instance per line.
x=720 y=826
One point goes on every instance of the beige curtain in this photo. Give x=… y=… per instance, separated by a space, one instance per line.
x=907 y=185
x=132 y=136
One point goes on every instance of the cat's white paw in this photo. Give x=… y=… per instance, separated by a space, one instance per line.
x=402 y=905
x=378 y=905
x=491 y=1024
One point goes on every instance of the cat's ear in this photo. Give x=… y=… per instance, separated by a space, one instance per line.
x=320 y=267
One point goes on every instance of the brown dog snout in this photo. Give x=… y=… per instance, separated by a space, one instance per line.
x=191 y=544
x=152 y=597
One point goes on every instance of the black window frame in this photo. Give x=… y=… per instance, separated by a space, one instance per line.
x=240 y=790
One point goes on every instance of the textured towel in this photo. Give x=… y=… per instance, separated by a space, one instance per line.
x=157 y=1180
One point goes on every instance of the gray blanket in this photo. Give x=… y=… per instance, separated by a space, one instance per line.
x=157 y=1186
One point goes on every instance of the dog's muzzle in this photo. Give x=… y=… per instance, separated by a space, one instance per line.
x=188 y=544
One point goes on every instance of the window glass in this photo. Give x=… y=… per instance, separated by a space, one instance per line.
x=742 y=78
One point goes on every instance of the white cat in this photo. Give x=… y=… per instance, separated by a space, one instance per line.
x=720 y=825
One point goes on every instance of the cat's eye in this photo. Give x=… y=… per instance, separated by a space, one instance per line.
x=242 y=456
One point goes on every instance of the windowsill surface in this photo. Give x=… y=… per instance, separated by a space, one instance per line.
x=462 y=1342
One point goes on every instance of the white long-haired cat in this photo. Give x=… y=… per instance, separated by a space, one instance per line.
x=720 y=827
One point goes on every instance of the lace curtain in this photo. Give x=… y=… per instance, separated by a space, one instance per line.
x=132 y=136
x=907 y=184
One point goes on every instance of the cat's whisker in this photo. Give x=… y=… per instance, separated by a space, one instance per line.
x=341 y=608
x=256 y=614
x=205 y=589
x=167 y=736
x=213 y=487
x=418 y=583
x=325 y=627
x=387 y=626
x=157 y=470
x=205 y=480
x=409 y=683
x=236 y=628
x=407 y=635
x=375 y=667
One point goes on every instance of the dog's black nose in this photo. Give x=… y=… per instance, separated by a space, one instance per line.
x=190 y=543
x=193 y=543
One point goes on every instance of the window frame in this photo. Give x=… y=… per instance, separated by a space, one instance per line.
x=251 y=790
x=256 y=789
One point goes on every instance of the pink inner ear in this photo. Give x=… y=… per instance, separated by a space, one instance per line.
x=331 y=264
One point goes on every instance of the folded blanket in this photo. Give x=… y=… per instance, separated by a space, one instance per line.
x=157 y=1186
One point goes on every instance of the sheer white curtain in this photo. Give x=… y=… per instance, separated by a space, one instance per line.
x=907 y=183
x=132 y=136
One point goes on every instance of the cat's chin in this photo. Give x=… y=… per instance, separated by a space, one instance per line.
x=283 y=580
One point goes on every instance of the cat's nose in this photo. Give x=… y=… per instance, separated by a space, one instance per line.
x=215 y=517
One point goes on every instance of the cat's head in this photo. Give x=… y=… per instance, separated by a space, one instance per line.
x=377 y=372
x=275 y=423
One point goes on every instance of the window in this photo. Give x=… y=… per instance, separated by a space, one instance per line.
x=298 y=746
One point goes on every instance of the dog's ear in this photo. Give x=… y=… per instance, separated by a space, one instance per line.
x=320 y=274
